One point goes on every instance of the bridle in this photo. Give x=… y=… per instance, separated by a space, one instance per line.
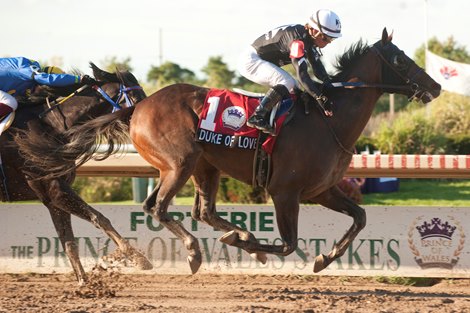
x=123 y=92
x=409 y=83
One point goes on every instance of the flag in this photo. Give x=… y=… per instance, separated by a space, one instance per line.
x=453 y=76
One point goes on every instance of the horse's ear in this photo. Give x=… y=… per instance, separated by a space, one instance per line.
x=101 y=75
x=385 y=37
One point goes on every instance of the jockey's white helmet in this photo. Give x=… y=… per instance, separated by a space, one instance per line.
x=327 y=22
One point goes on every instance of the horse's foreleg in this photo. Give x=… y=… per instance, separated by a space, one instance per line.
x=336 y=200
x=63 y=225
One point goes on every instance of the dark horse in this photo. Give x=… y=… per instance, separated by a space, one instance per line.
x=311 y=155
x=23 y=175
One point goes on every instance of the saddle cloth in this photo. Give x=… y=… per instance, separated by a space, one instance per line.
x=223 y=121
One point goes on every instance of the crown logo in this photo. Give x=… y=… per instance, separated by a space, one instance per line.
x=436 y=229
x=234 y=112
x=448 y=72
x=234 y=117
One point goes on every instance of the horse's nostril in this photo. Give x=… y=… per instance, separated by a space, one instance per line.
x=436 y=86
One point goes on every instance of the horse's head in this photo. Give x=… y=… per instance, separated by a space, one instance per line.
x=128 y=88
x=71 y=105
x=402 y=74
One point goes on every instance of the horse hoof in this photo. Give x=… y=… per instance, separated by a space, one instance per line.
x=259 y=256
x=194 y=263
x=229 y=238
x=319 y=263
x=82 y=281
x=141 y=262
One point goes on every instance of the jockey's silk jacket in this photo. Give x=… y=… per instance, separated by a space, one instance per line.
x=19 y=75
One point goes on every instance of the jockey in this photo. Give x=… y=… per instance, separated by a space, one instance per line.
x=291 y=44
x=19 y=76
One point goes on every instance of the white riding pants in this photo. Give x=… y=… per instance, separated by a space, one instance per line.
x=262 y=72
x=9 y=100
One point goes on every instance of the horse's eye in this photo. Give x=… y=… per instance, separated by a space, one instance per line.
x=399 y=61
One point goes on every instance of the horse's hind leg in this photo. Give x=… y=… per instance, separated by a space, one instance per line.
x=58 y=194
x=206 y=182
x=336 y=200
x=63 y=225
x=171 y=181
x=287 y=212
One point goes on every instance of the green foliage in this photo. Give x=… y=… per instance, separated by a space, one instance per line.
x=110 y=64
x=102 y=189
x=459 y=144
x=411 y=133
x=451 y=114
x=243 y=83
x=234 y=191
x=218 y=73
x=187 y=190
x=383 y=104
x=448 y=49
x=170 y=73
x=365 y=143
x=425 y=192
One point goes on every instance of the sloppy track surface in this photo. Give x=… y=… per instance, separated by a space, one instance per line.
x=210 y=293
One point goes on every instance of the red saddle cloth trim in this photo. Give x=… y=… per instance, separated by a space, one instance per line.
x=224 y=115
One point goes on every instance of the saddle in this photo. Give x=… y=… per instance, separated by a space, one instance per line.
x=222 y=121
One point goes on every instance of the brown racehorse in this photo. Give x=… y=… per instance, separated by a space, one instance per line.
x=20 y=180
x=311 y=155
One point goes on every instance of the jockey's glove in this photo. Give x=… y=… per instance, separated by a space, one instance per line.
x=87 y=80
x=325 y=104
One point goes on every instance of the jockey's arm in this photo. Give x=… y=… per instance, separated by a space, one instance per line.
x=56 y=80
x=301 y=68
x=319 y=70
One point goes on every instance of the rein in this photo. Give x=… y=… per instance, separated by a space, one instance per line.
x=409 y=85
x=56 y=103
x=123 y=92
x=367 y=85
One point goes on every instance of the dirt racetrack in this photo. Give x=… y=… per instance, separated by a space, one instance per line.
x=209 y=293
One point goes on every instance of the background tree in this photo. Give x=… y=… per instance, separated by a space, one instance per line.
x=170 y=73
x=112 y=63
x=449 y=49
x=218 y=73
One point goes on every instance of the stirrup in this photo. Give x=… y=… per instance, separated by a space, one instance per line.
x=270 y=131
x=267 y=129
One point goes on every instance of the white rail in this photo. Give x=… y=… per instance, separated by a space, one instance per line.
x=376 y=165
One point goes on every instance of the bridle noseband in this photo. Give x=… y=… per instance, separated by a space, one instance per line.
x=409 y=82
x=123 y=92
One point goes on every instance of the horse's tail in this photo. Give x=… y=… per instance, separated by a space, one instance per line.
x=58 y=155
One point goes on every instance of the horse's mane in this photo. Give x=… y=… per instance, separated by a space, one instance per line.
x=348 y=59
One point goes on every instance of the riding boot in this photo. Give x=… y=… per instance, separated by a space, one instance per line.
x=259 y=119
